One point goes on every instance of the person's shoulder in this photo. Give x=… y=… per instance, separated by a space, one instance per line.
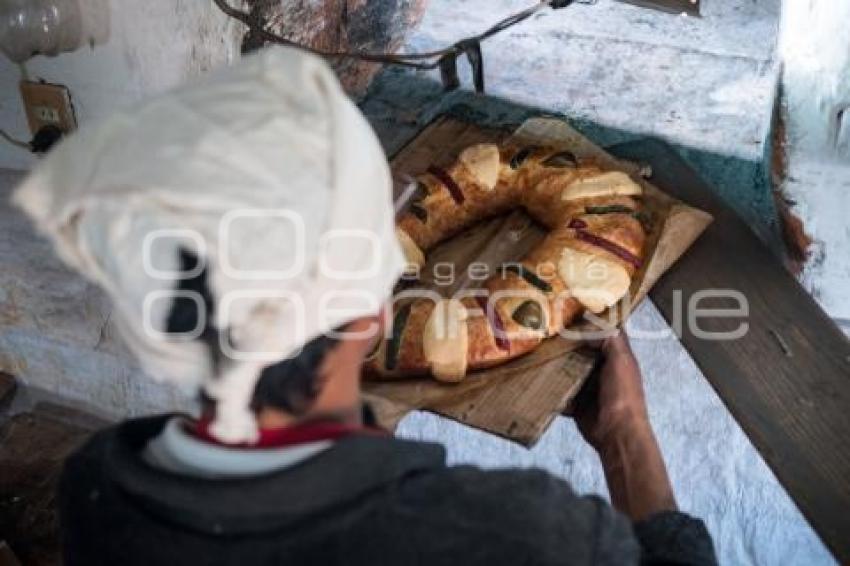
x=87 y=460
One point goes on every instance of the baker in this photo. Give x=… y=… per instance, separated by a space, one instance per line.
x=243 y=229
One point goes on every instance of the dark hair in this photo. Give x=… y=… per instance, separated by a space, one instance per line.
x=290 y=385
x=293 y=384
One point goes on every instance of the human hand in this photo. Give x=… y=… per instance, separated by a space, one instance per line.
x=611 y=415
x=612 y=401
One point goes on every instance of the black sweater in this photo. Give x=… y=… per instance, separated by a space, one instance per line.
x=367 y=500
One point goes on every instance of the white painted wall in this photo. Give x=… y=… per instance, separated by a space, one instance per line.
x=815 y=49
x=153 y=45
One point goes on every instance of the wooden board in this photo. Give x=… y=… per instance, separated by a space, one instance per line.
x=787 y=380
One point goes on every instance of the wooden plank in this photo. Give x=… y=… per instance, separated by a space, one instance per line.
x=787 y=380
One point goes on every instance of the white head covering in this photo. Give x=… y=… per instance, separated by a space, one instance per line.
x=268 y=173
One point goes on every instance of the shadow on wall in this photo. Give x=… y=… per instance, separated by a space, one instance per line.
x=400 y=103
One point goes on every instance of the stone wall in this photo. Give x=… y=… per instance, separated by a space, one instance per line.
x=377 y=26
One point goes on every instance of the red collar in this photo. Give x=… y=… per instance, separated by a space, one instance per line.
x=289 y=436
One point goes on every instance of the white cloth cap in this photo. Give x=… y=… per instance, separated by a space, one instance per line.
x=265 y=170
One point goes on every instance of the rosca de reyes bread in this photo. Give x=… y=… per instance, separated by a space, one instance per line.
x=586 y=262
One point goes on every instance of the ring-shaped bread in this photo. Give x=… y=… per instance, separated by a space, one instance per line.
x=586 y=262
